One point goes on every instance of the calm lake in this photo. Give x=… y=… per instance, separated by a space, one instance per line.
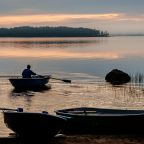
x=85 y=61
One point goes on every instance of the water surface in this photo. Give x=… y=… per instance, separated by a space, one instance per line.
x=85 y=61
x=96 y=56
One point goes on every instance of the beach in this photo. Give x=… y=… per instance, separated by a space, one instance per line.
x=83 y=139
x=100 y=139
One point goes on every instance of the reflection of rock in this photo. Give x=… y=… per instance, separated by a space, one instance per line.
x=117 y=77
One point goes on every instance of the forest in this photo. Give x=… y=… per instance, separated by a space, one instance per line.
x=28 y=31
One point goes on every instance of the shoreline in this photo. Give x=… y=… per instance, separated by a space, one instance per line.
x=83 y=139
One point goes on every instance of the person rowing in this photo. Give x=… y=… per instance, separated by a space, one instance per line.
x=28 y=73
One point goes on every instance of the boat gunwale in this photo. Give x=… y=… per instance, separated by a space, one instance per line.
x=29 y=83
x=92 y=112
x=20 y=78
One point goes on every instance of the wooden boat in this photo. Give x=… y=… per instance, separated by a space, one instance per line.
x=86 y=120
x=25 y=83
x=32 y=124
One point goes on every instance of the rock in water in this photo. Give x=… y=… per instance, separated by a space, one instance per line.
x=117 y=77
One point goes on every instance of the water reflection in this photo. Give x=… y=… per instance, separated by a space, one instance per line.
x=47 y=43
x=70 y=40
x=85 y=90
x=56 y=53
x=29 y=91
x=80 y=55
x=87 y=48
x=98 y=57
x=53 y=48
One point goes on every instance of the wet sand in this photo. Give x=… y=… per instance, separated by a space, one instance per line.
x=82 y=139
x=100 y=139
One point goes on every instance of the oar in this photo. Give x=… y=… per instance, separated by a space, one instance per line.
x=64 y=80
x=49 y=76
x=3 y=109
x=6 y=109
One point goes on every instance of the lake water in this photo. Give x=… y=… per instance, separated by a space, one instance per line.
x=85 y=61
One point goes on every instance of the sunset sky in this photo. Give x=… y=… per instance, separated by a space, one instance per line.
x=115 y=16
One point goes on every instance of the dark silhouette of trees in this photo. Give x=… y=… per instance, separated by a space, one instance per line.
x=27 y=31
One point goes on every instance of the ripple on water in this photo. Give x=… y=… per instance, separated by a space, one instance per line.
x=85 y=90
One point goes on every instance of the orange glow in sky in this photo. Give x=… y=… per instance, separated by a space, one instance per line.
x=22 y=19
x=111 y=22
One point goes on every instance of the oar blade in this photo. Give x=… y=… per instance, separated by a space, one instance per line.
x=10 y=109
x=5 y=109
x=66 y=81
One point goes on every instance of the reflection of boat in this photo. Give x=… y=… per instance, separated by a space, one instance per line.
x=25 y=83
x=85 y=120
x=33 y=125
x=28 y=90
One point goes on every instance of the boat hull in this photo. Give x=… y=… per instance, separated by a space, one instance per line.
x=102 y=121
x=25 y=83
x=33 y=125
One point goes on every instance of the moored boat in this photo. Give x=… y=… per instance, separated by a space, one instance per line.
x=32 y=124
x=85 y=120
x=24 y=83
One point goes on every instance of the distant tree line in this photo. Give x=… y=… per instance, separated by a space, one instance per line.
x=27 y=31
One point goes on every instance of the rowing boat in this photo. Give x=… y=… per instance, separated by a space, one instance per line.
x=33 y=124
x=86 y=120
x=24 y=83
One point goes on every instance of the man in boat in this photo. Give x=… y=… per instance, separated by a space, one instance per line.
x=27 y=73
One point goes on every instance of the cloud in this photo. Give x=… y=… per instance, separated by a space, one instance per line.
x=46 y=18
x=112 y=22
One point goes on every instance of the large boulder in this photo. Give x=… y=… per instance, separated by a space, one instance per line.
x=117 y=77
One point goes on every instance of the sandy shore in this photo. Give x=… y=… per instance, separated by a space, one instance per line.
x=101 y=139
x=83 y=139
